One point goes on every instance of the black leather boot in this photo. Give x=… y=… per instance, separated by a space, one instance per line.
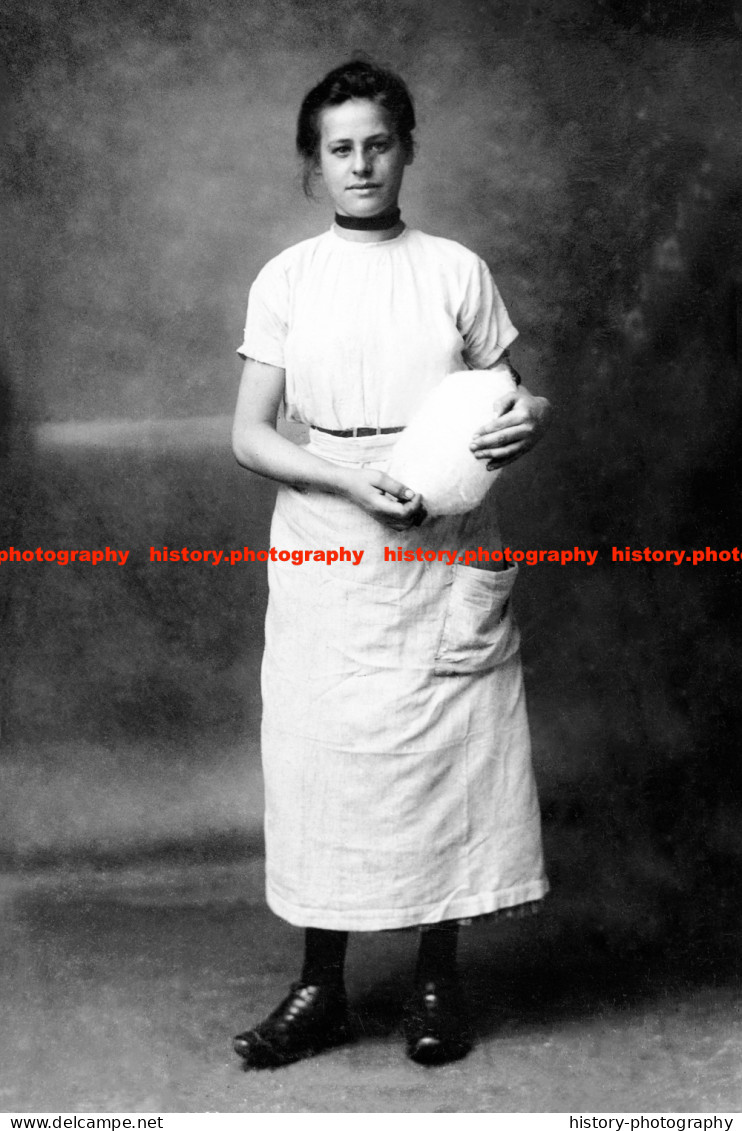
x=435 y=1024
x=309 y=1019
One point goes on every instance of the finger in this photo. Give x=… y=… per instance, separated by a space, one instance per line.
x=500 y=439
x=507 y=403
x=502 y=455
x=502 y=423
x=413 y=509
x=504 y=403
x=391 y=506
x=387 y=506
x=413 y=514
x=384 y=482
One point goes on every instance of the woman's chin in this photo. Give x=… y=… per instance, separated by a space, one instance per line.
x=365 y=207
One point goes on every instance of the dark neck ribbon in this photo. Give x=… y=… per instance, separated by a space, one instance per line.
x=380 y=223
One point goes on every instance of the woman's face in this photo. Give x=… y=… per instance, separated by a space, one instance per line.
x=361 y=159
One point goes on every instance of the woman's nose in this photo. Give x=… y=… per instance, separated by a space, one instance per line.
x=361 y=162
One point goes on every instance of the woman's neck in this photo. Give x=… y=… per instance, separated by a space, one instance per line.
x=372 y=229
x=355 y=235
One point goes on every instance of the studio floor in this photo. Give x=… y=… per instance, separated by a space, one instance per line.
x=122 y=988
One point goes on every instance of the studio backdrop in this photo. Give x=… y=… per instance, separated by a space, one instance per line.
x=590 y=152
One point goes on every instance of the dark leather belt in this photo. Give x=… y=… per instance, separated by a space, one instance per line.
x=356 y=431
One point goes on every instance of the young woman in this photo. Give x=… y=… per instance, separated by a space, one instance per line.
x=399 y=789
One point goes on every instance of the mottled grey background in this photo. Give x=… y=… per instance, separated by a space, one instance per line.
x=591 y=152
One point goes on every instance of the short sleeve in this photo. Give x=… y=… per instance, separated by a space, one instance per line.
x=484 y=322
x=267 y=317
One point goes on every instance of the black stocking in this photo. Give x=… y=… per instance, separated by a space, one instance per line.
x=436 y=958
x=324 y=957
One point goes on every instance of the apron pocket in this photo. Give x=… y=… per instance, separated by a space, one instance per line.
x=479 y=631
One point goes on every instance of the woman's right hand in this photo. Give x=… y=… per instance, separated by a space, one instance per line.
x=385 y=499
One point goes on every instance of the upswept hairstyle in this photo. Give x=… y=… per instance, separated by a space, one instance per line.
x=357 y=79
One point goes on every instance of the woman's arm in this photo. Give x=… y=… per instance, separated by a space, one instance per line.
x=519 y=421
x=258 y=446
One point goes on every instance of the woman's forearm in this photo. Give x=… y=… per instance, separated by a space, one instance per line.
x=260 y=448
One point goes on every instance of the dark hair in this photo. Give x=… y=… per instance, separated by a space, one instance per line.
x=356 y=79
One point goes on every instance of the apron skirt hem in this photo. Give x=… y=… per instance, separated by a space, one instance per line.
x=472 y=907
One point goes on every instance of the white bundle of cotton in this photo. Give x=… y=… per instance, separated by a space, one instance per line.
x=432 y=455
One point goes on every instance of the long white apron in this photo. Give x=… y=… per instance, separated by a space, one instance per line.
x=396 y=750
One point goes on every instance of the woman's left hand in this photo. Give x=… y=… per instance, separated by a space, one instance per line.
x=519 y=422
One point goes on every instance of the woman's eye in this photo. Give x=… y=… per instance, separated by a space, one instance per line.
x=341 y=150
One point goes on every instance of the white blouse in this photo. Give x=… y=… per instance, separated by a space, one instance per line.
x=364 y=330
